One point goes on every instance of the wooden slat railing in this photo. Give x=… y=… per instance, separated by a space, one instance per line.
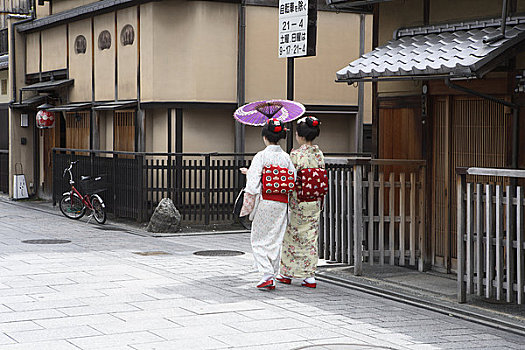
x=490 y=242
x=367 y=219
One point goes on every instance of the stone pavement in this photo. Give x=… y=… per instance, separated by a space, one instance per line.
x=96 y=293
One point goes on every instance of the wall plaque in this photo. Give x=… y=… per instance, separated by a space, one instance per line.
x=80 y=45
x=127 y=36
x=104 y=40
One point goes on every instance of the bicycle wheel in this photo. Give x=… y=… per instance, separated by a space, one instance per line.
x=99 y=211
x=72 y=207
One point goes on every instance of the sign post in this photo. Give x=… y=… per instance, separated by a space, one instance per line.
x=297 y=38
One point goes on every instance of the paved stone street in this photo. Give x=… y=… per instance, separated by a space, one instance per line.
x=95 y=293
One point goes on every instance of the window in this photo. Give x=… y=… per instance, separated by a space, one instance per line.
x=4 y=87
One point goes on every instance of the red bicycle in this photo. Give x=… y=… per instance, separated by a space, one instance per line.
x=74 y=205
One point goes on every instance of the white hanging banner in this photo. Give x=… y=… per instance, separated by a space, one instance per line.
x=293 y=28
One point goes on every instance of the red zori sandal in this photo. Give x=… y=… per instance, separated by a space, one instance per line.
x=284 y=279
x=268 y=285
x=309 y=284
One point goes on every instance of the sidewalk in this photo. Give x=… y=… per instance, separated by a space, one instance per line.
x=435 y=291
x=109 y=289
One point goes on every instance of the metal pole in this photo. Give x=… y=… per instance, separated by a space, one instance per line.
x=504 y=17
x=360 y=90
x=290 y=96
x=241 y=77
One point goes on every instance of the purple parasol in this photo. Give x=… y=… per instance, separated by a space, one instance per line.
x=258 y=113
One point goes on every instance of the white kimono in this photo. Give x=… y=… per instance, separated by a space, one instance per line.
x=270 y=218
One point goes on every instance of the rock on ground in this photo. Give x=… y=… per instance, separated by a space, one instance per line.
x=165 y=219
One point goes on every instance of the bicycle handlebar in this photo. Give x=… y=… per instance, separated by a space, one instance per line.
x=69 y=171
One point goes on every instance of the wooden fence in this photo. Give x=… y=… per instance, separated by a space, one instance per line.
x=490 y=241
x=203 y=186
x=374 y=213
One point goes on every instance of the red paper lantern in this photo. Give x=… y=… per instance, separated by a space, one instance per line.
x=45 y=119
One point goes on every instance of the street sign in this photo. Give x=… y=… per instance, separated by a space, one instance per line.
x=297 y=28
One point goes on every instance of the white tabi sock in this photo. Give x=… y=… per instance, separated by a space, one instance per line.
x=310 y=280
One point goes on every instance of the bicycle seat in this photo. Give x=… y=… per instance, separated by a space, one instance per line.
x=85 y=178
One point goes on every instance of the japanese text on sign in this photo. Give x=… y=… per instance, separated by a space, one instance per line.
x=293 y=27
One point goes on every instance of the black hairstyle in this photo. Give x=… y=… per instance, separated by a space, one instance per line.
x=308 y=127
x=274 y=130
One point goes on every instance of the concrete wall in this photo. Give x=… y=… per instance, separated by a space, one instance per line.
x=80 y=64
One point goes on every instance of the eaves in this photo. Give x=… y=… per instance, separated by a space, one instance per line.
x=77 y=13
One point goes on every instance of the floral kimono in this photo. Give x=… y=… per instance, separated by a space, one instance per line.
x=270 y=217
x=299 y=255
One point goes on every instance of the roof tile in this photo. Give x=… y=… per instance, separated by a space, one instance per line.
x=452 y=49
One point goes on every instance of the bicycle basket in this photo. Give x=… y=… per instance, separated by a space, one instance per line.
x=94 y=184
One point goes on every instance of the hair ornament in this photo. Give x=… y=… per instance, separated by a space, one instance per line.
x=275 y=125
x=311 y=121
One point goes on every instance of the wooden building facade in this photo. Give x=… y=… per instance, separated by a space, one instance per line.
x=447 y=90
x=165 y=76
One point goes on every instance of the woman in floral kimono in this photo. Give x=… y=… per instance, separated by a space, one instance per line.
x=270 y=216
x=299 y=255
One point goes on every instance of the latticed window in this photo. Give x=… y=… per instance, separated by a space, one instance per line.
x=124 y=131
x=77 y=130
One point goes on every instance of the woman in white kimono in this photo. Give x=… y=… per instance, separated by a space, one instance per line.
x=270 y=216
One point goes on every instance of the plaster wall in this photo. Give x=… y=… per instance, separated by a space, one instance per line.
x=157 y=130
x=337 y=45
x=105 y=59
x=265 y=72
x=106 y=130
x=63 y=5
x=32 y=53
x=393 y=15
x=54 y=48
x=196 y=60
x=127 y=55
x=146 y=52
x=208 y=130
x=42 y=10
x=337 y=135
x=19 y=153
x=457 y=11
x=81 y=65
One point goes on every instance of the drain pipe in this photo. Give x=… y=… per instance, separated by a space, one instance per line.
x=501 y=34
x=515 y=116
x=12 y=52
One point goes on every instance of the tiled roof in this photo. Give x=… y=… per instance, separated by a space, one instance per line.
x=76 y=14
x=455 y=50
